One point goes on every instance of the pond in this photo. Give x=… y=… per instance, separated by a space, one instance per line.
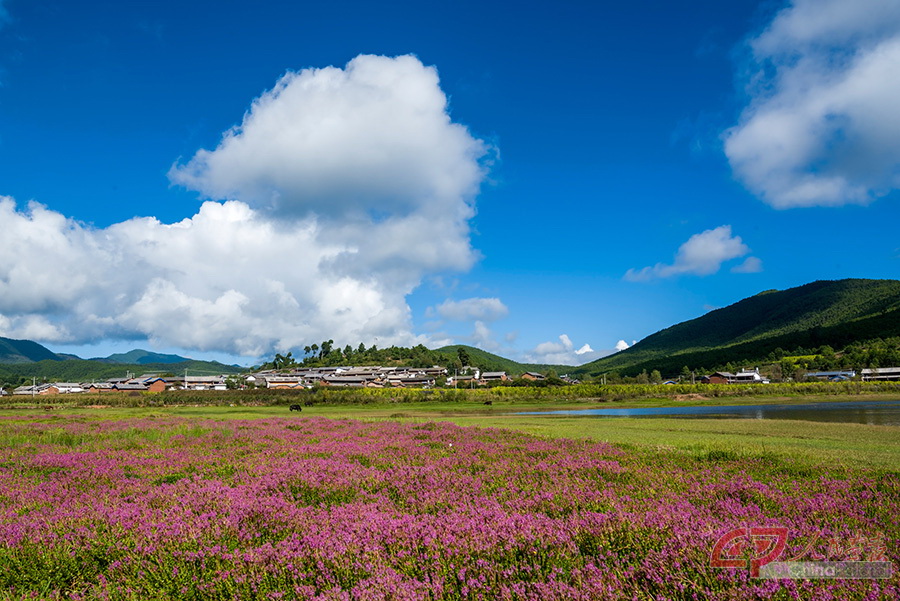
x=882 y=413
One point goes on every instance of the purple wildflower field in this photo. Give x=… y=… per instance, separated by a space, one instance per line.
x=322 y=509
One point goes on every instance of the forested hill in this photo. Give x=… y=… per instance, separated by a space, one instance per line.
x=834 y=313
x=24 y=351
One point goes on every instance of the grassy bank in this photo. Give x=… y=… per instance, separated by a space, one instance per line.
x=811 y=444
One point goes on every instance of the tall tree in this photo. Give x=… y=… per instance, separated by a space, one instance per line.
x=463 y=356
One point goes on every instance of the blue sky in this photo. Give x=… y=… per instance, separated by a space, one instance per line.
x=545 y=181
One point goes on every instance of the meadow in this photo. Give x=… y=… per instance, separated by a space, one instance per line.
x=259 y=503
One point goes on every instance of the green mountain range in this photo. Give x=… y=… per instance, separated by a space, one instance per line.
x=25 y=351
x=834 y=313
x=26 y=359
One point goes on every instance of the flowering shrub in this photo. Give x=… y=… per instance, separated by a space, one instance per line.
x=336 y=509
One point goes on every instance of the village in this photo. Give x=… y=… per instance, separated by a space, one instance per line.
x=299 y=378
x=380 y=377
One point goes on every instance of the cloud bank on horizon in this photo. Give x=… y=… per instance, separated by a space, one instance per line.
x=822 y=123
x=342 y=189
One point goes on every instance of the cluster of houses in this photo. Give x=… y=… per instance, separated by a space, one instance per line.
x=346 y=377
x=866 y=375
x=745 y=376
x=143 y=383
x=378 y=377
x=753 y=376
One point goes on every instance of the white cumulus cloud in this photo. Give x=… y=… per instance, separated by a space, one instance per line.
x=472 y=309
x=225 y=279
x=750 y=265
x=342 y=190
x=371 y=139
x=822 y=125
x=622 y=345
x=703 y=254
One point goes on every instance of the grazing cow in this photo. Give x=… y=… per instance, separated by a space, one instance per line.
x=296 y=407
x=489 y=402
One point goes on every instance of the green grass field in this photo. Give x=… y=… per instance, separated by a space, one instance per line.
x=801 y=443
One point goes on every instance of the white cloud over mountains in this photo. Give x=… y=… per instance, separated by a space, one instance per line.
x=703 y=254
x=563 y=353
x=479 y=312
x=343 y=188
x=822 y=126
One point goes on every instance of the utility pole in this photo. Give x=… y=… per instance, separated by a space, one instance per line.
x=33 y=386
x=185 y=378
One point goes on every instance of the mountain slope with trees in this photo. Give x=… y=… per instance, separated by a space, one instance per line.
x=24 y=351
x=834 y=313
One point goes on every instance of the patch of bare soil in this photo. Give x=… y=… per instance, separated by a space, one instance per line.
x=691 y=397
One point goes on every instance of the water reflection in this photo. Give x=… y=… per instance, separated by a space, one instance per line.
x=879 y=413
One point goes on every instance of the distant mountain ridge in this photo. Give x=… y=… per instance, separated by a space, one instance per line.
x=27 y=351
x=26 y=358
x=834 y=313
x=24 y=351
x=142 y=357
